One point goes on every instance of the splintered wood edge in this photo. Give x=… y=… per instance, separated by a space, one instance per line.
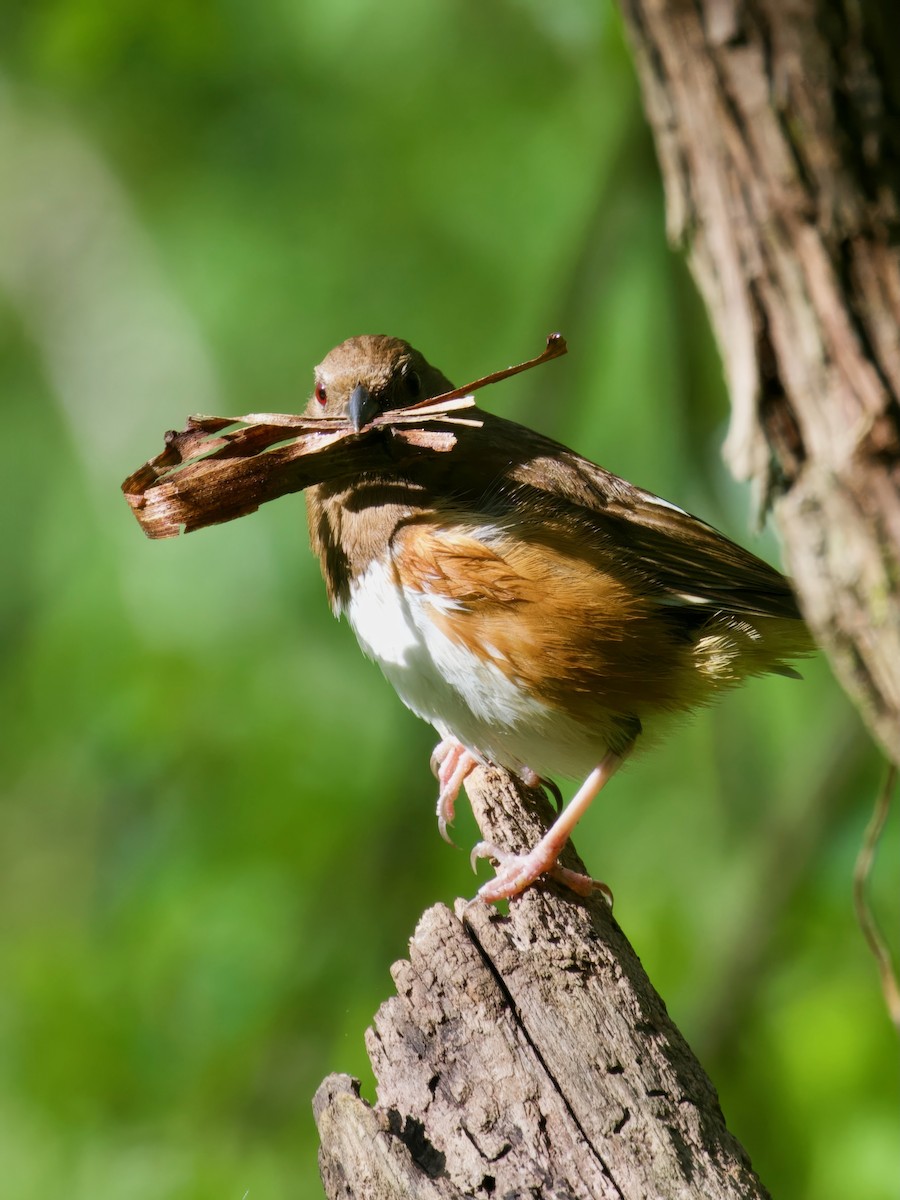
x=360 y=1142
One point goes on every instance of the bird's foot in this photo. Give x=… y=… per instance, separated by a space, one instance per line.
x=516 y=872
x=451 y=762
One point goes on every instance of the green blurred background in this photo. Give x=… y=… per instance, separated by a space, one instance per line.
x=217 y=828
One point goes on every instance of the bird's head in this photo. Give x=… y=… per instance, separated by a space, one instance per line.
x=372 y=374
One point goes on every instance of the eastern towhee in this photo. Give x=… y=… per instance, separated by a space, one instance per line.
x=541 y=613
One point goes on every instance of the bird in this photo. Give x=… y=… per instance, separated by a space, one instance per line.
x=542 y=614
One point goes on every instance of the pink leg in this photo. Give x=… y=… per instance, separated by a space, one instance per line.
x=451 y=762
x=517 y=871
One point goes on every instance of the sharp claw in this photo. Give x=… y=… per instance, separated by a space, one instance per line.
x=484 y=850
x=551 y=790
x=605 y=891
x=438 y=754
x=582 y=885
x=516 y=872
x=446 y=805
x=442 y=829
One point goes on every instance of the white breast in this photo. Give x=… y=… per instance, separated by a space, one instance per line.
x=461 y=694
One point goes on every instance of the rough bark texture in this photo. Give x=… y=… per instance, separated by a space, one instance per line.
x=527 y=1055
x=776 y=124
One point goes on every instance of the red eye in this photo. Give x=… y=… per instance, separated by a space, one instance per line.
x=321 y=393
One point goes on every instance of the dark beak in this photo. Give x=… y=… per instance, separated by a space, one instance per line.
x=362 y=407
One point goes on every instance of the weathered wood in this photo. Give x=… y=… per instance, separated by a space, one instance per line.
x=776 y=126
x=367 y=1153
x=207 y=477
x=527 y=1055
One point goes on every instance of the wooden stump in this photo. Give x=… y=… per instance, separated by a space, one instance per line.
x=527 y=1055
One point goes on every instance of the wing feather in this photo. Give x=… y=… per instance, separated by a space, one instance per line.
x=680 y=558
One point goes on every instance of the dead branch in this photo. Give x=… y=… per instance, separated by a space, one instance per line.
x=527 y=1055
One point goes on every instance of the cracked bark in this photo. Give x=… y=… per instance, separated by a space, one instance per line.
x=776 y=126
x=527 y=1055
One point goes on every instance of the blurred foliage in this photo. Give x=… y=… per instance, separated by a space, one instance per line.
x=216 y=827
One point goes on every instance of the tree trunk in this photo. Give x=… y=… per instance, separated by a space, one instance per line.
x=527 y=1055
x=777 y=124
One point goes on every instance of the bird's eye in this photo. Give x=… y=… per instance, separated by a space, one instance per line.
x=321 y=393
x=413 y=383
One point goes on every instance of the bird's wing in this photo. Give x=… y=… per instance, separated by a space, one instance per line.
x=553 y=621
x=680 y=560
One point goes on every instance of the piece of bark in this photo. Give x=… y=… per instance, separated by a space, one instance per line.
x=527 y=1055
x=219 y=468
x=205 y=476
x=776 y=127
